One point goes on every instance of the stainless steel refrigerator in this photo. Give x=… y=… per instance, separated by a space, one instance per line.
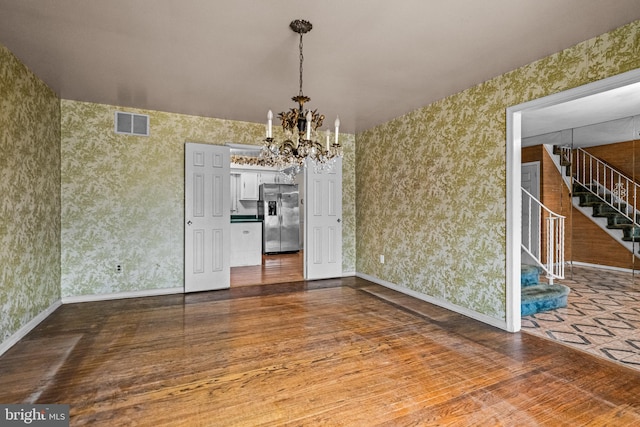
x=278 y=208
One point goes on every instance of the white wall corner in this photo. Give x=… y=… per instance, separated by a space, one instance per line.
x=22 y=332
x=513 y=220
x=498 y=323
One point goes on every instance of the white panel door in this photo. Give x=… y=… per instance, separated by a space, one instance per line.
x=207 y=218
x=530 y=181
x=323 y=222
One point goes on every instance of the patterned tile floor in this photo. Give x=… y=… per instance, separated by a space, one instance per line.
x=602 y=316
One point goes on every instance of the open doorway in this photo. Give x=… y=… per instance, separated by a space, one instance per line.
x=279 y=260
x=253 y=262
x=264 y=201
x=578 y=99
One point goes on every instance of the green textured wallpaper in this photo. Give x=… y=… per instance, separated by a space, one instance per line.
x=122 y=196
x=349 y=204
x=430 y=185
x=29 y=195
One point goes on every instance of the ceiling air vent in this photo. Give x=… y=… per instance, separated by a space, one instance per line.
x=132 y=124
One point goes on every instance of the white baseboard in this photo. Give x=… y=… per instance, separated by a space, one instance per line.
x=122 y=295
x=348 y=273
x=601 y=267
x=20 y=333
x=501 y=324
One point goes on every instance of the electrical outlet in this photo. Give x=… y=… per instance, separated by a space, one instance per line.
x=381 y=259
x=119 y=268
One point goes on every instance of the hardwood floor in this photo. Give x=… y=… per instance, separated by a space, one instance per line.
x=278 y=268
x=333 y=352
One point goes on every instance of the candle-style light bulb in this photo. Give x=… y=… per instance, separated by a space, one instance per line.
x=328 y=138
x=269 y=123
x=337 y=124
x=308 y=117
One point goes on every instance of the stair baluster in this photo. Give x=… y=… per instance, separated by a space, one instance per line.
x=613 y=195
x=531 y=243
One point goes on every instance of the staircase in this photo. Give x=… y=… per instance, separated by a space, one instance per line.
x=536 y=297
x=602 y=208
x=541 y=225
x=603 y=194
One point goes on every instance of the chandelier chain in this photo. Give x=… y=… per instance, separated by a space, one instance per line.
x=301 y=60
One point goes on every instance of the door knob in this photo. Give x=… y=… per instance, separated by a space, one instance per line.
x=189 y=223
x=339 y=220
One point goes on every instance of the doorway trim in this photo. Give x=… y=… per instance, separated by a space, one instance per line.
x=513 y=170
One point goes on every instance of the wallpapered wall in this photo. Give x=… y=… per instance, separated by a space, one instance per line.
x=29 y=195
x=430 y=185
x=430 y=188
x=123 y=196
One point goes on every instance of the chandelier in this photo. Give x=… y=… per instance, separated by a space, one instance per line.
x=302 y=137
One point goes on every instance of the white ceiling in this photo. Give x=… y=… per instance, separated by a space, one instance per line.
x=605 y=109
x=368 y=61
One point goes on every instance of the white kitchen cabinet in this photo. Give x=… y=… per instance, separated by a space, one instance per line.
x=246 y=244
x=273 y=178
x=268 y=177
x=249 y=186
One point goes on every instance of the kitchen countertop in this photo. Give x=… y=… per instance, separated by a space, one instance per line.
x=245 y=218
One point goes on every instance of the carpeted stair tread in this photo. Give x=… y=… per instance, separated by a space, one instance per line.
x=618 y=222
x=631 y=234
x=529 y=275
x=537 y=298
x=589 y=199
x=604 y=210
x=580 y=189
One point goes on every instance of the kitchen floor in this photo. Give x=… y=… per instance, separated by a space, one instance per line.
x=602 y=316
x=277 y=268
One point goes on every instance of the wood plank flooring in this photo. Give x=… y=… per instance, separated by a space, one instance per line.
x=277 y=268
x=333 y=352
